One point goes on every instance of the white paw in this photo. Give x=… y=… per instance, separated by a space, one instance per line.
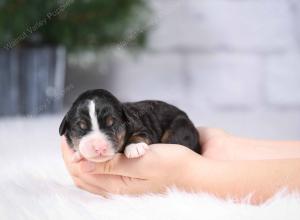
x=136 y=150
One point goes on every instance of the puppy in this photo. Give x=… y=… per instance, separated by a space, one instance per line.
x=98 y=126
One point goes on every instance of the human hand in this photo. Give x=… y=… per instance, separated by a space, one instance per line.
x=214 y=142
x=164 y=165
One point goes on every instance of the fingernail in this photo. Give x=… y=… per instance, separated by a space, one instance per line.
x=88 y=166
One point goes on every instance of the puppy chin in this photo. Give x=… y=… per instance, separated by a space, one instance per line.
x=98 y=158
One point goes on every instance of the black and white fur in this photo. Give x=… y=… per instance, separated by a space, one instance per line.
x=98 y=126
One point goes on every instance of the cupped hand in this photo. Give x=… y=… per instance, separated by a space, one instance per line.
x=163 y=166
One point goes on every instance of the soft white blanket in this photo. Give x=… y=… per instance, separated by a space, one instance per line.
x=35 y=185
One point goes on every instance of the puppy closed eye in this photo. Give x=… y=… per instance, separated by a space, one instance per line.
x=109 y=121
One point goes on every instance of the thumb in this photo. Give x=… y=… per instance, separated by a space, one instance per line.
x=118 y=165
x=67 y=152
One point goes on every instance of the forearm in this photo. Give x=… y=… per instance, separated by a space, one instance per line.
x=252 y=149
x=237 y=179
x=219 y=145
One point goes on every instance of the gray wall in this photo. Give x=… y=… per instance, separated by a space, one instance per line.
x=233 y=64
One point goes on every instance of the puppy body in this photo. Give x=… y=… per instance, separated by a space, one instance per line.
x=159 y=122
x=98 y=126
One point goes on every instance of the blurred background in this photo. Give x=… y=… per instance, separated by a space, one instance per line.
x=233 y=64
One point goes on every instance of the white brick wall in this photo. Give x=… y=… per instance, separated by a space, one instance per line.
x=225 y=80
x=149 y=76
x=252 y=25
x=238 y=53
x=283 y=79
x=229 y=63
x=265 y=25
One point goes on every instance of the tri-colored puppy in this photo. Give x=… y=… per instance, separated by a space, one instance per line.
x=98 y=126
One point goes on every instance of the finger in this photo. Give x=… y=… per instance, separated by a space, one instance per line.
x=115 y=184
x=90 y=188
x=77 y=157
x=107 y=183
x=139 y=168
x=67 y=152
x=68 y=155
x=118 y=165
x=73 y=168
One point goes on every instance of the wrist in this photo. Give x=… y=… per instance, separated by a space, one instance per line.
x=206 y=175
x=194 y=177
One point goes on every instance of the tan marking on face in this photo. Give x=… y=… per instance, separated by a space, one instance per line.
x=83 y=125
x=109 y=121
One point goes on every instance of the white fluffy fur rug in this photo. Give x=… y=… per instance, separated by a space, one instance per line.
x=35 y=185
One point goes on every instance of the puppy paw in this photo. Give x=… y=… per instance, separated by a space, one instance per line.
x=136 y=150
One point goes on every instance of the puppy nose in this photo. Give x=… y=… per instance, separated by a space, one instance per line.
x=93 y=149
x=100 y=149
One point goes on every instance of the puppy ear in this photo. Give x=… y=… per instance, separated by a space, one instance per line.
x=63 y=126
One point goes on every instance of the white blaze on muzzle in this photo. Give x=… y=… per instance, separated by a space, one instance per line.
x=95 y=145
